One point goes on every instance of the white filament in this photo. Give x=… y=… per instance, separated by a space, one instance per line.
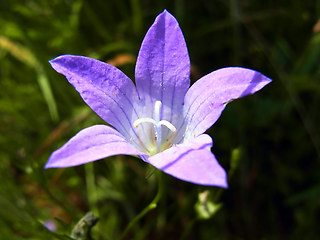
x=157 y=123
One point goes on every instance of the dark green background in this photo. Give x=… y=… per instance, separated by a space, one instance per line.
x=269 y=141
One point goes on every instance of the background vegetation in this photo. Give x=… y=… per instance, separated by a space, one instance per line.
x=269 y=143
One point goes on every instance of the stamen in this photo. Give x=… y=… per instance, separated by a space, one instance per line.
x=169 y=140
x=142 y=145
x=152 y=137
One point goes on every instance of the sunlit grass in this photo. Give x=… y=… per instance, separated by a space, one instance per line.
x=268 y=143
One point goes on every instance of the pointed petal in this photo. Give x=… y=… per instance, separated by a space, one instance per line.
x=163 y=68
x=207 y=98
x=192 y=162
x=91 y=144
x=108 y=91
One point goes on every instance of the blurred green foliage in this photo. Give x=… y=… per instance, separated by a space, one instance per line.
x=269 y=142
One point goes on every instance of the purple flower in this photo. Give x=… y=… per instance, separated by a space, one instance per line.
x=160 y=119
x=50 y=225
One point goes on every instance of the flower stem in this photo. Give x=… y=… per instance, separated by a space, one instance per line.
x=148 y=208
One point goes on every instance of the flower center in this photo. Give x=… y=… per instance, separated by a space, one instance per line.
x=157 y=142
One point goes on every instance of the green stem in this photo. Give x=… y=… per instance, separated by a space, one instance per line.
x=148 y=208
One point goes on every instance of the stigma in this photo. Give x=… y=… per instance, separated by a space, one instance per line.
x=158 y=140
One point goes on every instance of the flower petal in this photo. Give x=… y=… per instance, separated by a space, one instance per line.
x=192 y=162
x=108 y=91
x=208 y=96
x=163 y=68
x=91 y=144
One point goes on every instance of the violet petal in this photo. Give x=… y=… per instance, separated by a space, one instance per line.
x=108 y=91
x=163 y=68
x=208 y=96
x=91 y=144
x=192 y=162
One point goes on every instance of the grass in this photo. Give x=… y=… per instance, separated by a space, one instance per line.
x=269 y=142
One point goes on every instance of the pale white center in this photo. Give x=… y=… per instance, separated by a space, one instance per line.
x=156 y=142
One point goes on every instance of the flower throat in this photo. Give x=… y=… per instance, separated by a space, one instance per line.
x=158 y=141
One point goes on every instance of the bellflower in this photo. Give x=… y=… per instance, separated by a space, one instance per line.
x=160 y=118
